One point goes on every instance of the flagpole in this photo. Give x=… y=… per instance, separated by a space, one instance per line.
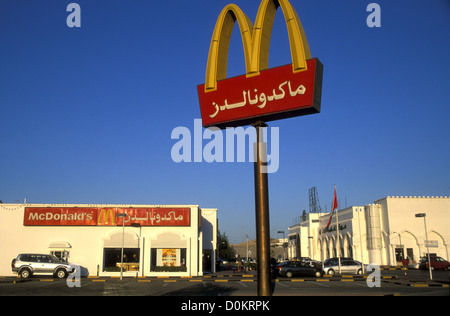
x=338 y=247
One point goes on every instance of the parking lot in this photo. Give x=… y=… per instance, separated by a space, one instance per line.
x=392 y=283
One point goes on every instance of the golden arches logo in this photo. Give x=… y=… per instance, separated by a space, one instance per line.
x=105 y=215
x=255 y=39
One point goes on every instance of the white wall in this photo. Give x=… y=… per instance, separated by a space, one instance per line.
x=209 y=233
x=396 y=225
x=409 y=232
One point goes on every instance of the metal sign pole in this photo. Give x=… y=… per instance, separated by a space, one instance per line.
x=262 y=214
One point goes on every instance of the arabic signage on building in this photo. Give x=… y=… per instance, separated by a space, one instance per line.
x=261 y=94
x=97 y=216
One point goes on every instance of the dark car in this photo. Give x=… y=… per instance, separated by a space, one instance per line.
x=436 y=263
x=291 y=268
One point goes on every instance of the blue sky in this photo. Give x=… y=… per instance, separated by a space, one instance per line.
x=87 y=113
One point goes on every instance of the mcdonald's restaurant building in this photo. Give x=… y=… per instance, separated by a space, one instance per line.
x=175 y=240
x=384 y=233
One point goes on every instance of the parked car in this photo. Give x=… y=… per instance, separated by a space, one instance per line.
x=25 y=265
x=347 y=266
x=301 y=259
x=334 y=260
x=313 y=263
x=436 y=263
x=291 y=268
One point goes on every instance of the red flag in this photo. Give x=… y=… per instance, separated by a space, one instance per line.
x=333 y=207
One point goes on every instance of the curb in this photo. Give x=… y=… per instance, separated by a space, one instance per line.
x=427 y=285
x=241 y=278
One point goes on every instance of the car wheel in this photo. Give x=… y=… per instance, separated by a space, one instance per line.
x=318 y=274
x=61 y=273
x=359 y=271
x=25 y=273
x=289 y=274
x=331 y=272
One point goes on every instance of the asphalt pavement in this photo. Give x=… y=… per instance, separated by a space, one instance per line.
x=236 y=283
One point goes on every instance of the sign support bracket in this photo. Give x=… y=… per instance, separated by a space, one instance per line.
x=262 y=213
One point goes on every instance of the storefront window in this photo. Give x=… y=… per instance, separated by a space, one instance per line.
x=168 y=259
x=399 y=254
x=112 y=261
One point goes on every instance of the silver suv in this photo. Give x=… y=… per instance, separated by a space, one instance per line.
x=27 y=264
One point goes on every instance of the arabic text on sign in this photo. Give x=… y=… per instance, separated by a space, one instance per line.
x=262 y=99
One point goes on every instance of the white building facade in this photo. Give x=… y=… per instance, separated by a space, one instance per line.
x=384 y=233
x=158 y=240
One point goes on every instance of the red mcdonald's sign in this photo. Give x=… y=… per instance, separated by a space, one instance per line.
x=275 y=94
x=106 y=216
x=261 y=94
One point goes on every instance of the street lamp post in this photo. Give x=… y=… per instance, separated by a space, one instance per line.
x=424 y=215
x=282 y=244
x=122 y=215
x=141 y=267
x=247 y=251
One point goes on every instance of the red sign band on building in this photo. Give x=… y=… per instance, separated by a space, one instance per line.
x=276 y=93
x=106 y=216
x=56 y=216
x=155 y=216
